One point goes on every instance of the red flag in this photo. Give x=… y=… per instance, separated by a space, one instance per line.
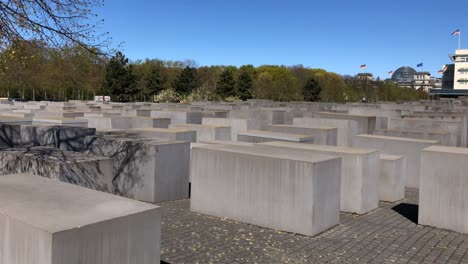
x=456 y=32
x=440 y=72
x=390 y=72
x=363 y=66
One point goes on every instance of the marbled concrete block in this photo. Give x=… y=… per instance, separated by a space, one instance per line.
x=145 y=169
x=48 y=222
x=360 y=172
x=288 y=192
x=67 y=166
x=410 y=148
x=392 y=178
x=443 y=198
x=61 y=137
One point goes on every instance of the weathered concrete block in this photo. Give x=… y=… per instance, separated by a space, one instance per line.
x=287 y=192
x=237 y=124
x=407 y=147
x=322 y=135
x=258 y=136
x=72 y=167
x=366 y=123
x=273 y=117
x=166 y=133
x=443 y=199
x=347 y=129
x=49 y=222
x=360 y=173
x=145 y=169
x=176 y=117
x=392 y=178
x=127 y=122
x=206 y=132
x=442 y=137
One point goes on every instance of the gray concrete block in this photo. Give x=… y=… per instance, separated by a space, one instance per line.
x=176 y=117
x=409 y=148
x=442 y=137
x=166 y=133
x=347 y=129
x=322 y=135
x=258 y=136
x=287 y=192
x=145 y=169
x=443 y=199
x=366 y=123
x=237 y=124
x=360 y=173
x=392 y=178
x=206 y=132
x=49 y=222
x=72 y=167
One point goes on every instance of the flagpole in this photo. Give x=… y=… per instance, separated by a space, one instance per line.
x=459 y=36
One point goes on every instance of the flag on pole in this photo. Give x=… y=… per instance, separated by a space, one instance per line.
x=419 y=65
x=390 y=72
x=440 y=71
x=363 y=66
x=456 y=32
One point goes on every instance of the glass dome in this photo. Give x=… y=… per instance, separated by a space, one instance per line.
x=404 y=75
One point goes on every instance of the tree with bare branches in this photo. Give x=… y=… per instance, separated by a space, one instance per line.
x=54 y=22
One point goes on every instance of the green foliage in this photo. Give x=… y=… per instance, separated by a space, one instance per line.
x=312 y=90
x=120 y=81
x=226 y=84
x=154 y=82
x=187 y=81
x=244 y=83
x=276 y=83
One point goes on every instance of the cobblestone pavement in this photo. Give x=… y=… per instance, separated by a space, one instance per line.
x=388 y=234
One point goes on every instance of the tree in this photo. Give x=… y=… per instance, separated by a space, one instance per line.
x=312 y=90
x=154 y=82
x=187 y=81
x=244 y=83
x=55 y=22
x=226 y=83
x=119 y=81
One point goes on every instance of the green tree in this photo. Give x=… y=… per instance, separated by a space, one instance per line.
x=312 y=90
x=244 y=83
x=187 y=81
x=155 y=82
x=119 y=81
x=226 y=84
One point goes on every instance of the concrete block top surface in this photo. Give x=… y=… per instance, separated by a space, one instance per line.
x=137 y=139
x=345 y=114
x=454 y=150
x=198 y=125
x=254 y=151
x=412 y=131
x=227 y=142
x=150 y=129
x=398 y=138
x=336 y=149
x=56 y=206
x=306 y=127
x=277 y=135
x=390 y=157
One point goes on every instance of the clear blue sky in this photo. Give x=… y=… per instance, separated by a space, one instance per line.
x=334 y=35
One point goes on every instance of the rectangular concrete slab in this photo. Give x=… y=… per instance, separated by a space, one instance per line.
x=322 y=135
x=392 y=178
x=443 y=196
x=410 y=148
x=347 y=129
x=206 y=132
x=258 y=136
x=295 y=193
x=48 y=222
x=360 y=170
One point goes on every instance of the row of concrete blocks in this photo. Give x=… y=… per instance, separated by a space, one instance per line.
x=289 y=186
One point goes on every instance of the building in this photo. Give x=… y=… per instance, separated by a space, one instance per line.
x=404 y=76
x=447 y=76
x=460 y=58
x=422 y=81
x=436 y=83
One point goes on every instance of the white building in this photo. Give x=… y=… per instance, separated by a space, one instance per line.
x=460 y=58
x=422 y=81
